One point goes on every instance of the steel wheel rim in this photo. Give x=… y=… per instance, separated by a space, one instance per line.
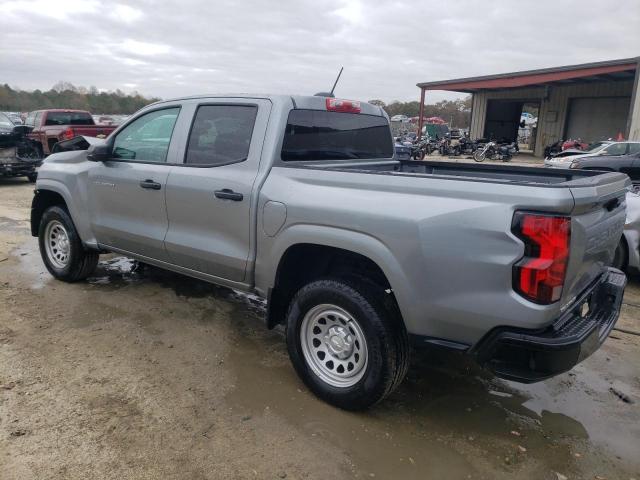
x=334 y=345
x=57 y=245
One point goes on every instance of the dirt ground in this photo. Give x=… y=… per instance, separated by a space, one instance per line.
x=152 y=375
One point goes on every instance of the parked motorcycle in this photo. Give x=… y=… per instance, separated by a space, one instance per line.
x=444 y=146
x=494 y=151
x=422 y=148
x=464 y=146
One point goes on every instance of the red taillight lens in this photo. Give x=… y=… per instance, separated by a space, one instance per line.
x=344 y=106
x=68 y=134
x=539 y=275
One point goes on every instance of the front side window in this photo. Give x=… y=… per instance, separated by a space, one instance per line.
x=147 y=138
x=221 y=134
x=322 y=135
x=38 y=119
x=616 y=149
x=30 y=120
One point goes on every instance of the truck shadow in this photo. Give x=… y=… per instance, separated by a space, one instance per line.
x=446 y=398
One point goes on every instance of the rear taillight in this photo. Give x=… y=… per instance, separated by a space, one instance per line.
x=344 y=106
x=539 y=276
x=68 y=134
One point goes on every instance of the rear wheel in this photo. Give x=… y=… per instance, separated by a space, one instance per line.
x=347 y=346
x=61 y=249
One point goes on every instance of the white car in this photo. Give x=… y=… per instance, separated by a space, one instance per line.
x=564 y=159
x=400 y=118
x=627 y=256
x=528 y=119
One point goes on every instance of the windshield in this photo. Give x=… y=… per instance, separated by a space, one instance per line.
x=69 y=118
x=322 y=135
x=5 y=121
x=596 y=146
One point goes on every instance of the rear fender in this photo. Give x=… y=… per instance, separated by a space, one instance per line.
x=267 y=263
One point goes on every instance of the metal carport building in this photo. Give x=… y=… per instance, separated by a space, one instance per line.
x=592 y=101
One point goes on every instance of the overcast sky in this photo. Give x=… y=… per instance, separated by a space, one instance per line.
x=168 y=49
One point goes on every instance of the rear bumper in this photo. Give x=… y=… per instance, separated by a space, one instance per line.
x=532 y=355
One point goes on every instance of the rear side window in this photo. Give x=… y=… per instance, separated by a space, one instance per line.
x=68 y=118
x=321 y=135
x=221 y=134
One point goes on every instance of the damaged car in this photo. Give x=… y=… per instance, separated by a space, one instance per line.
x=627 y=256
x=18 y=157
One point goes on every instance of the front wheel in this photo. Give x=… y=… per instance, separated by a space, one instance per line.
x=32 y=177
x=346 y=345
x=478 y=156
x=61 y=249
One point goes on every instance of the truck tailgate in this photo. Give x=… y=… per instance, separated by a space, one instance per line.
x=596 y=227
x=99 y=131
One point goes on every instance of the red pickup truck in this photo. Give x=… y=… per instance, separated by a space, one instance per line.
x=55 y=125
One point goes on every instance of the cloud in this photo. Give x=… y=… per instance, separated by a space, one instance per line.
x=144 y=49
x=125 y=13
x=170 y=49
x=59 y=10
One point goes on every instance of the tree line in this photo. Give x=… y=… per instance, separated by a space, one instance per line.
x=458 y=112
x=67 y=95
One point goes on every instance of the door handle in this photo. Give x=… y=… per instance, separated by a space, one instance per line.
x=228 y=194
x=150 y=184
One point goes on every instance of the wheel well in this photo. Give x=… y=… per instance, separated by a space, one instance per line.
x=42 y=200
x=625 y=251
x=51 y=142
x=302 y=263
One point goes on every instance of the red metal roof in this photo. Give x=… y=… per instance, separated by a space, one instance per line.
x=597 y=71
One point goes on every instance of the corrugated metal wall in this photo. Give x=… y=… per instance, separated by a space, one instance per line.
x=553 y=107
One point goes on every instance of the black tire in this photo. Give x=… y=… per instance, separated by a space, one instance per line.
x=621 y=256
x=33 y=177
x=81 y=262
x=384 y=333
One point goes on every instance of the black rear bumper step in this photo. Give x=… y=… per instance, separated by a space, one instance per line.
x=529 y=356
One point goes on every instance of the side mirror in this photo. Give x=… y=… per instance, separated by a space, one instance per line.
x=99 y=153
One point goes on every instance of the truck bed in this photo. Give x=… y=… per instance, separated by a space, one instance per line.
x=478 y=172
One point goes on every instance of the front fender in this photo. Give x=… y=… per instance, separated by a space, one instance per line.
x=78 y=215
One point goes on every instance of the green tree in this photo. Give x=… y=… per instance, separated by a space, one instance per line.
x=66 y=95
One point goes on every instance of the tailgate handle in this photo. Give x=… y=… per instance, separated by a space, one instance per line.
x=612 y=204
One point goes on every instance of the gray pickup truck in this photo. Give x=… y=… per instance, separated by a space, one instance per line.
x=300 y=200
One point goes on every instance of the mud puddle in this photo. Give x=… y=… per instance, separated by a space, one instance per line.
x=449 y=419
